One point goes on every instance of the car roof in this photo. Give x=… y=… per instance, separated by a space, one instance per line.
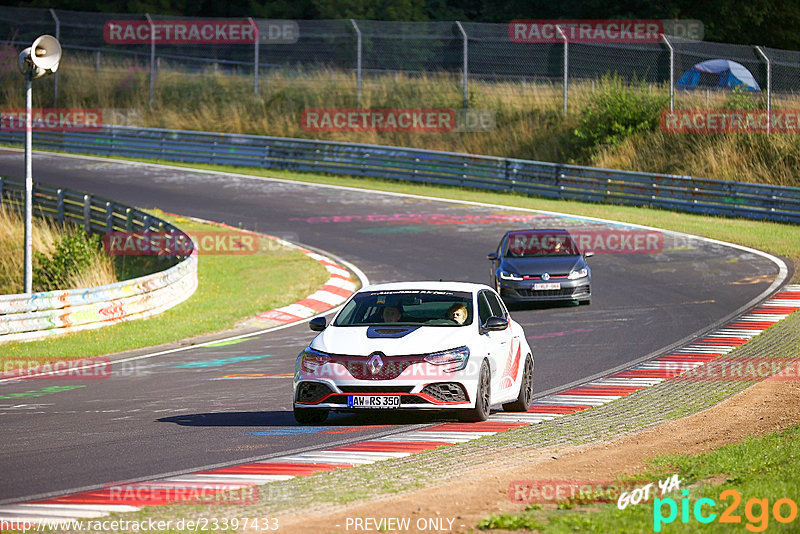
x=427 y=285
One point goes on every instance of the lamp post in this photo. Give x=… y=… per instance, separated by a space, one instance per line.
x=41 y=58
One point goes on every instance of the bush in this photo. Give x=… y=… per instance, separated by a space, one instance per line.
x=615 y=112
x=741 y=98
x=74 y=252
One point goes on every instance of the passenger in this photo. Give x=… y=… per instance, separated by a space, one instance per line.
x=457 y=313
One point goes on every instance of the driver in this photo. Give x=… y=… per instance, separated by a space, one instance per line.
x=392 y=314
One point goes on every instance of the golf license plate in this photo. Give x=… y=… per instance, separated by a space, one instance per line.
x=546 y=285
x=373 y=401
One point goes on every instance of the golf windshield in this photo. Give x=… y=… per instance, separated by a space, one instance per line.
x=407 y=308
x=540 y=243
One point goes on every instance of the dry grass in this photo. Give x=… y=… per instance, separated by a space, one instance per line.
x=45 y=236
x=530 y=123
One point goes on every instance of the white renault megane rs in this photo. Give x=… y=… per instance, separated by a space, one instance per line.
x=415 y=346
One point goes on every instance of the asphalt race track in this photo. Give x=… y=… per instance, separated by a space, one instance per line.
x=176 y=412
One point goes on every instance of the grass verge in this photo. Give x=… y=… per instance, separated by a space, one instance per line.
x=621 y=119
x=760 y=471
x=231 y=287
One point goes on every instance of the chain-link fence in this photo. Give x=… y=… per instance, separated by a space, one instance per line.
x=454 y=51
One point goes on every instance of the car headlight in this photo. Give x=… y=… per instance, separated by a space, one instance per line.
x=454 y=359
x=311 y=360
x=505 y=275
x=580 y=273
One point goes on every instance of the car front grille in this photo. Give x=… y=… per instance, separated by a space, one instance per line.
x=446 y=392
x=366 y=390
x=393 y=366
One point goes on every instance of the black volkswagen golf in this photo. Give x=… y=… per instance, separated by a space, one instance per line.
x=541 y=265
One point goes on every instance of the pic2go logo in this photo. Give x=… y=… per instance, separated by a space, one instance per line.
x=756 y=511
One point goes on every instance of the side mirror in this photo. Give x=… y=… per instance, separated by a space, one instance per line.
x=495 y=324
x=317 y=324
x=588 y=254
x=492 y=256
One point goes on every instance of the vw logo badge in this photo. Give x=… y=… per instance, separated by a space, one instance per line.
x=375 y=364
x=546 y=276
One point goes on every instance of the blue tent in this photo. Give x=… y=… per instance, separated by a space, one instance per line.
x=718 y=73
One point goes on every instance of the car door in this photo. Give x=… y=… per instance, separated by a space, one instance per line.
x=498 y=345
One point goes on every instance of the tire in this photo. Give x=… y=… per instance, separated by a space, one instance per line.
x=585 y=302
x=483 y=401
x=310 y=416
x=525 y=395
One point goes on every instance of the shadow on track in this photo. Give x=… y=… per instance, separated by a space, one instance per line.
x=286 y=418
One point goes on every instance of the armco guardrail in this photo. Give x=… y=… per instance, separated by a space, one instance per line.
x=552 y=180
x=26 y=317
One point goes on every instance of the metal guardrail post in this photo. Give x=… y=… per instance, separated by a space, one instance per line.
x=566 y=65
x=255 y=55
x=671 y=72
x=465 y=69
x=358 y=61
x=128 y=220
x=87 y=213
x=58 y=38
x=152 y=56
x=769 y=88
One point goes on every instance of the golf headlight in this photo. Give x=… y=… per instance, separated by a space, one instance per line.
x=311 y=360
x=505 y=275
x=454 y=359
x=580 y=273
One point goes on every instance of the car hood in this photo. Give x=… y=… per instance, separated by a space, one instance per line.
x=390 y=340
x=545 y=264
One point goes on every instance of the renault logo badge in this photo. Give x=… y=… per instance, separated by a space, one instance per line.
x=375 y=364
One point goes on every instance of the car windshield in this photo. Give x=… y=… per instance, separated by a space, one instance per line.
x=540 y=243
x=407 y=308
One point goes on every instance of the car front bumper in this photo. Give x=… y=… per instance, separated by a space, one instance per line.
x=523 y=290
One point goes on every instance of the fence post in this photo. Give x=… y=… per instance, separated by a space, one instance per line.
x=97 y=61
x=87 y=213
x=566 y=65
x=769 y=88
x=60 y=206
x=255 y=55
x=358 y=61
x=58 y=38
x=671 y=73
x=109 y=217
x=466 y=70
x=152 y=56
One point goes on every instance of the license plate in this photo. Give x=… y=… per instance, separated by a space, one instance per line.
x=373 y=401
x=545 y=286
